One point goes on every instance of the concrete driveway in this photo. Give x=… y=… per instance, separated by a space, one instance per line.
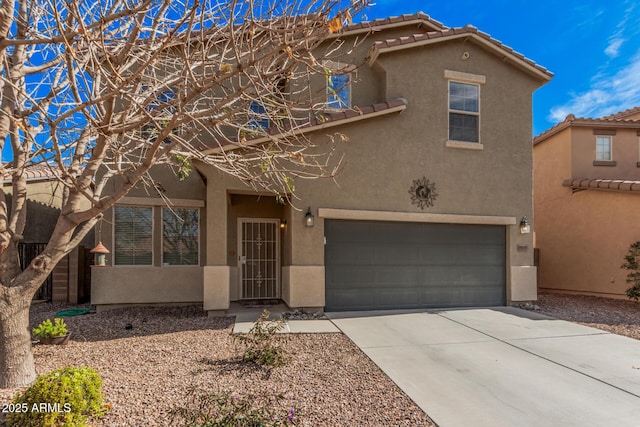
x=503 y=366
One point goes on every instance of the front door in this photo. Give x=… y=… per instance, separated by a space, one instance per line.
x=259 y=258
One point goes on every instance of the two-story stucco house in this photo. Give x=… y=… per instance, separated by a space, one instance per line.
x=587 y=196
x=426 y=212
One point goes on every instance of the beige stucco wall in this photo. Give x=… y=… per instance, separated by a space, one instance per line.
x=382 y=159
x=146 y=285
x=153 y=284
x=624 y=151
x=384 y=156
x=582 y=236
x=583 y=240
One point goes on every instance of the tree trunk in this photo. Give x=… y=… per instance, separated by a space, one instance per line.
x=16 y=359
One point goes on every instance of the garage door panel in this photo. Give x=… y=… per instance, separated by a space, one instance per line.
x=342 y=276
x=395 y=297
x=347 y=299
x=408 y=265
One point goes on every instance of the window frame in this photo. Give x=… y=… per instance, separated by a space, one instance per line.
x=331 y=105
x=254 y=122
x=162 y=237
x=152 y=234
x=610 y=146
x=450 y=111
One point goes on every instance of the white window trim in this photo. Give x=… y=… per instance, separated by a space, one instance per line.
x=162 y=238
x=610 y=148
x=113 y=237
x=453 y=143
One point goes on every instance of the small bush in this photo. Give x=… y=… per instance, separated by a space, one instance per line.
x=64 y=397
x=223 y=410
x=632 y=263
x=260 y=342
x=47 y=329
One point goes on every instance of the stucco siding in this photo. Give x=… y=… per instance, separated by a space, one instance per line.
x=146 y=285
x=583 y=245
x=624 y=151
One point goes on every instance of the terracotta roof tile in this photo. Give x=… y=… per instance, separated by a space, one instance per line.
x=623 y=114
x=616 y=120
x=34 y=172
x=326 y=118
x=379 y=24
x=602 y=184
x=450 y=32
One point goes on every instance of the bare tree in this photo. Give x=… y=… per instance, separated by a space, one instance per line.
x=104 y=90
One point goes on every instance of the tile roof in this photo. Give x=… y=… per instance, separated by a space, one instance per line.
x=34 y=172
x=613 y=121
x=453 y=33
x=323 y=120
x=602 y=184
x=393 y=21
x=623 y=114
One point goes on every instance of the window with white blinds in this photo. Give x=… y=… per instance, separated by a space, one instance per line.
x=133 y=235
x=180 y=236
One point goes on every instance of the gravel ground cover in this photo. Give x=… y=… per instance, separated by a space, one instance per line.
x=169 y=354
x=620 y=317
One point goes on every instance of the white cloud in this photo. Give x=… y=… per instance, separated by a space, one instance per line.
x=607 y=95
x=613 y=49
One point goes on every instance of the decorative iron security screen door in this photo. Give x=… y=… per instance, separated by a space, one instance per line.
x=259 y=258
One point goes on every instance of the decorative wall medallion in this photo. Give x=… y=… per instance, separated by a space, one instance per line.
x=423 y=193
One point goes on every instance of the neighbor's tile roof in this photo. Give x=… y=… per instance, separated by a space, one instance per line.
x=602 y=184
x=612 y=121
x=623 y=114
x=450 y=33
x=34 y=172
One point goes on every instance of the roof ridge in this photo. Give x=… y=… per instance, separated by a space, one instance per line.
x=392 y=20
x=572 y=119
x=453 y=31
x=623 y=113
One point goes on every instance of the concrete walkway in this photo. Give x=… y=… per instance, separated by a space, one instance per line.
x=246 y=316
x=503 y=367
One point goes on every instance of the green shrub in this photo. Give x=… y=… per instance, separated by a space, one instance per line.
x=260 y=343
x=223 y=410
x=632 y=263
x=64 y=397
x=46 y=329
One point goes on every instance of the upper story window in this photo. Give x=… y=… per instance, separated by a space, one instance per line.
x=258 y=118
x=464 y=111
x=603 y=148
x=133 y=235
x=339 y=91
x=180 y=236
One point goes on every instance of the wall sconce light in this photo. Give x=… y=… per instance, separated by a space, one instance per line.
x=525 y=228
x=283 y=224
x=308 y=218
x=101 y=254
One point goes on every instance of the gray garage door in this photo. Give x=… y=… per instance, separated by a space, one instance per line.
x=384 y=265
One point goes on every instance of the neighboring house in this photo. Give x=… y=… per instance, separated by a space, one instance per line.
x=587 y=199
x=437 y=178
x=70 y=279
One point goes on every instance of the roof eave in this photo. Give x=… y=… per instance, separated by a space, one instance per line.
x=431 y=25
x=543 y=76
x=307 y=129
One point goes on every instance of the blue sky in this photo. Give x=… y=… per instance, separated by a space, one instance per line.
x=592 y=47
